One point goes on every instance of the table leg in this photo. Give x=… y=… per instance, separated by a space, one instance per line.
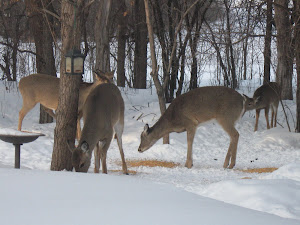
x=17 y=155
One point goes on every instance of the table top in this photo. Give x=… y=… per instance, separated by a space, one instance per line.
x=20 y=137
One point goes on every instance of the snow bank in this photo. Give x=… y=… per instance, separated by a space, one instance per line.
x=277 y=193
x=35 y=197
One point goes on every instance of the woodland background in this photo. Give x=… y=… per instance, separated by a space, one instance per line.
x=179 y=40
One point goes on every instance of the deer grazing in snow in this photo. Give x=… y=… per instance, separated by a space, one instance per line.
x=265 y=97
x=103 y=114
x=197 y=106
x=44 y=89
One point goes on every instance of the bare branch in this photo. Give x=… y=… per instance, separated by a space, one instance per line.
x=19 y=50
x=51 y=13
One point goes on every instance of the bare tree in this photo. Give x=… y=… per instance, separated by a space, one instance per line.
x=154 y=73
x=284 y=70
x=297 y=53
x=229 y=47
x=267 y=50
x=71 y=30
x=140 y=50
x=12 y=28
x=41 y=25
x=122 y=37
x=102 y=30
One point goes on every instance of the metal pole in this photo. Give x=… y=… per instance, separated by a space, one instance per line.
x=17 y=155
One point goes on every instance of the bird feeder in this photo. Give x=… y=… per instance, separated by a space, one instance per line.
x=74 y=62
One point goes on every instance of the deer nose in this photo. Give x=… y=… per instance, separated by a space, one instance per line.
x=140 y=150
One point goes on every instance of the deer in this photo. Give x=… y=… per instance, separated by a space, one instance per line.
x=191 y=109
x=44 y=89
x=103 y=115
x=265 y=97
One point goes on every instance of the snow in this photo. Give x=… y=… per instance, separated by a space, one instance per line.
x=35 y=197
x=13 y=132
x=205 y=194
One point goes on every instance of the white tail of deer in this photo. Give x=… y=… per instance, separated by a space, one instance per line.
x=265 y=97
x=44 y=89
x=189 y=110
x=103 y=114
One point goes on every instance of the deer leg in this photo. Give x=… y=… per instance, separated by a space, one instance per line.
x=97 y=158
x=78 y=130
x=234 y=138
x=103 y=152
x=50 y=112
x=275 y=113
x=22 y=113
x=257 y=118
x=267 y=116
x=272 y=117
x=118 y=135
x=190 y=140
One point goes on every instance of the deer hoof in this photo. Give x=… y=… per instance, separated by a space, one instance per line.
x=225 y=165
x=188 y=164
x=231 y=166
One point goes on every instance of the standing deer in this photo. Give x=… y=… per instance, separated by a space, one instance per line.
x=265 y=97
x=193 y=108
x=44 y=89
x=103 y=114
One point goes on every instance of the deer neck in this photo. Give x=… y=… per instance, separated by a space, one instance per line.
x=162 y=127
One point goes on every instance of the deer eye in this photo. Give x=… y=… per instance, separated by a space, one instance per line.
x=81 y=165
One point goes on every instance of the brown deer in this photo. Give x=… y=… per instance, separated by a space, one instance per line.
x=265 y=97
x=197 y=106
x=103 y=114
x=44 y=89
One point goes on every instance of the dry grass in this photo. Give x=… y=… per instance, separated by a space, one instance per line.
x=157 y=163
x=150 y=163
x=131 y=172
x=259 y=170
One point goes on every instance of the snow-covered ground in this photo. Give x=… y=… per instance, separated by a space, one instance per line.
x=205 y=194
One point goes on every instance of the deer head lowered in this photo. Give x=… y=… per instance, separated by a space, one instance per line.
x=189 y=110
x=265 y=97
x=44 y=89
x=103 y=114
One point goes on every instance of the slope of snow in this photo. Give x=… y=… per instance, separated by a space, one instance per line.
x=35 y=197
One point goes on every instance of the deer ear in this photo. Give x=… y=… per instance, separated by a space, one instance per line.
x=69 y=144
x=245 y=97
x=146 y=129
x=84 y=146
x=110 y=75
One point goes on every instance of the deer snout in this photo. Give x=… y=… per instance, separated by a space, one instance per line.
x=140 y=150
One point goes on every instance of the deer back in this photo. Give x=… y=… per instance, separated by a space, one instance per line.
x=40 y=88
x=267 y=94
x=103 y=108
x=206 y=103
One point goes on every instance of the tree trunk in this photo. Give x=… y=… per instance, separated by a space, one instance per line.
x=39 y=26
x=102 y=36
x=182 y=65
x=66 y=115
x=297 y=51
x=140 y=50
x=267 y=50
x=230 y=55
x=284 y=70
x=122 y=22
x=154 y=73
x=219 y=56
x=245 y=44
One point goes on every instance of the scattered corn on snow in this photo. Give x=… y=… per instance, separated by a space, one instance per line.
x=205 y=194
